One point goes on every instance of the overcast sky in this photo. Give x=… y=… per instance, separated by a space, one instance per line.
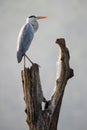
x=66 y=18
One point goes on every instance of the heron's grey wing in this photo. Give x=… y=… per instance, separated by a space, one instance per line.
x=24 y=40
x=25 y=37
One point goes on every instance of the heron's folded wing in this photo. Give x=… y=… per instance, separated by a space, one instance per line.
x=25 y=37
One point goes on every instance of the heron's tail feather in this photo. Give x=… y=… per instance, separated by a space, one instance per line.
x=19 y=56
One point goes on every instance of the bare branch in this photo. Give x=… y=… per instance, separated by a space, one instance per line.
x=65 y=74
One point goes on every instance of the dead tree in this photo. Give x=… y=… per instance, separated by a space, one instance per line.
x=47 y=119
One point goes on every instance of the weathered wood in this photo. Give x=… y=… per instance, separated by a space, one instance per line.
x=33 y=97
x=46 y=119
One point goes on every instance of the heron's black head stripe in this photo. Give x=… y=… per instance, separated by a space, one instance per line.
x=32 y=16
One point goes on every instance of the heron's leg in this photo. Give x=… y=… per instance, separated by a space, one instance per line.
x=29 y=59
x=24 y=61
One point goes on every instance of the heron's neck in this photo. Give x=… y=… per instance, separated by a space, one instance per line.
x=34 y=24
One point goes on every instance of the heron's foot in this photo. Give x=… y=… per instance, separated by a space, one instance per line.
x=29 y=59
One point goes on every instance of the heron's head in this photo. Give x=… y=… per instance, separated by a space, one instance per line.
x=33 y=21
x=37 y=17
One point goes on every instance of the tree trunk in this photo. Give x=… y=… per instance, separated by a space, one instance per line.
x=47 y=119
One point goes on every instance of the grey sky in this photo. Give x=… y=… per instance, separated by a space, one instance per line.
x=66 y=18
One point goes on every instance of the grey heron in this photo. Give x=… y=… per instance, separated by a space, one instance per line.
x=26 y=36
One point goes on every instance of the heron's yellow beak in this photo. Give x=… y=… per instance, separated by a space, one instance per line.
x=42 y=17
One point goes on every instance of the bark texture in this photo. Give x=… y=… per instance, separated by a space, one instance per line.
x=47 y=119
